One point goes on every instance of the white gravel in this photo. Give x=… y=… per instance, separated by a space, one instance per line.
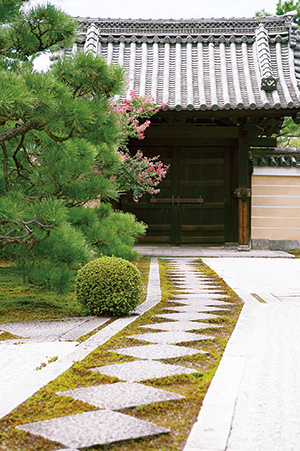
x=266 y=416
x=274 y=275
x=267 y=413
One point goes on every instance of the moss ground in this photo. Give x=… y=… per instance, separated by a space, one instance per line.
x=25 y=302
x=178 y=416
x=296 y=254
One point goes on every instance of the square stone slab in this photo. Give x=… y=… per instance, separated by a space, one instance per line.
x=196 y=308
x=202 y=302
x=92 y=428
x=170 y=337
x=180 y=326
x=187 y=316
x=67 y=449
x=120 y=395
x=157 y=352
x=200 y=295
x=199 y=290
x=142 y=370
x=197 y=284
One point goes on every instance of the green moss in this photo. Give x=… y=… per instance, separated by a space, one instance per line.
x=179 y=416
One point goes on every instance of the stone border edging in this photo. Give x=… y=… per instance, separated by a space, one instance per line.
x=212 y=428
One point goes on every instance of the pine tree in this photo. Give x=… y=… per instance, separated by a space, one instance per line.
x=58 y=139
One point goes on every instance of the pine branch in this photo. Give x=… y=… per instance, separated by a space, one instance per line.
x=5 y=166
x=57 y=138
x=35 y=124
x=19 y=165
x=27 y=238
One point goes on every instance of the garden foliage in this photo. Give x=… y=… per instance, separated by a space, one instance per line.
x=109 y=286
x=61 y=135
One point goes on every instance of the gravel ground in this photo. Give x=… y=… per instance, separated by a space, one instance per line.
x=273 y=275
x=267 y=413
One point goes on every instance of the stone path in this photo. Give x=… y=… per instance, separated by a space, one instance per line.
x=167 y=250
x=108 y=425
x=252 y=402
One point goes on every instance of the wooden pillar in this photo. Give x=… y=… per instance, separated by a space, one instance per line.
x=243 y=191
x=243 y=195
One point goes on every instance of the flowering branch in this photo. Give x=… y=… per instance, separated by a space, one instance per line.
x=140 y=174
x=137 y=173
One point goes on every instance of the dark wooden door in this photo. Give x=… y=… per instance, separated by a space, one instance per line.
x=192 y=204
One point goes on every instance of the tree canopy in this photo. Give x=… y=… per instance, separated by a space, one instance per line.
x=60 y=137
x=283 y=7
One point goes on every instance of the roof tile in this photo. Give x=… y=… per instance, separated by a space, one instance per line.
x=205 y=64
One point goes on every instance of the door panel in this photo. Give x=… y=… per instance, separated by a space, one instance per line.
x=155 y=211
x=190 y=207
x=201 y=178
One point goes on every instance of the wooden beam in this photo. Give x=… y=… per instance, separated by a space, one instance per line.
x=199 y=132
x=263 y=142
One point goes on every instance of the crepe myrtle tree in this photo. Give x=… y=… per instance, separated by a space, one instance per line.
x=61 y=139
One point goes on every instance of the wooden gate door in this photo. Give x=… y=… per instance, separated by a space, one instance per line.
x=201 y=195
x=191 y=206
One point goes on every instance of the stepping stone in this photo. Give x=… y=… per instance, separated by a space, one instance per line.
x=181 y=326
x=157 y=352
x=120 y=395
x=67 y=449
x=88 y=429
x=196 y=308
x=142 y=370
x=170 y=337
x=188 y=316
x=198 y=289
x=202 y=302
x=201 y=295
x=196 y=284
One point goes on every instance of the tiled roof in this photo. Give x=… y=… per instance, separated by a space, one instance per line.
x=205 y=64
x=276 y=158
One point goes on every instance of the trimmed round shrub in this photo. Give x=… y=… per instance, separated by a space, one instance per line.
x=109 y=286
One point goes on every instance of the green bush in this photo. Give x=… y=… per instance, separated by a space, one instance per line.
x=108 y=286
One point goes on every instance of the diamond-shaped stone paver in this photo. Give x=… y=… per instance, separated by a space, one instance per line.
x=67 y=449
x=196 y=308
x=201 y=285
x=187 y=316
x=170 y=337
x=92 y=428
x=202 y=302
x=204 y=292
x=121 y=395
x=180 y=326
x=200 y=295
x=142 y=370
x=158 y=351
